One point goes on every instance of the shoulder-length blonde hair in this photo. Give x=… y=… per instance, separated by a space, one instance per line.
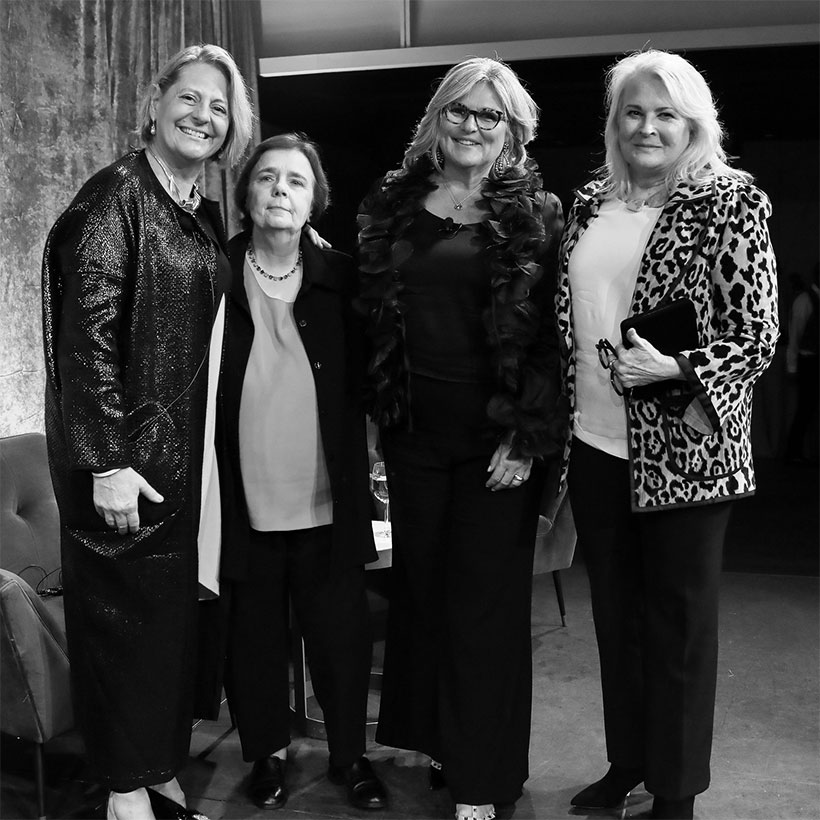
x=239 y=106
x=691 y=97
x=520 y=110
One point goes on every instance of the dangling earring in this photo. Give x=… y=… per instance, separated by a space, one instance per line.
x=439 y=156
x=153 y=129
x=502 y=161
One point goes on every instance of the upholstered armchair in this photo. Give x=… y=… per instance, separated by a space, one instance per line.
x=35 y=696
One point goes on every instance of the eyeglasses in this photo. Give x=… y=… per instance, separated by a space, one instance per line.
x=486 y=119
x=606 y=352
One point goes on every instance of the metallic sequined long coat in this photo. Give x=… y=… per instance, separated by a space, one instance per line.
x=131 y=285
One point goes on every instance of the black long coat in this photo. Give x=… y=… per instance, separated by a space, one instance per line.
x=131 y=285
x=331 y=334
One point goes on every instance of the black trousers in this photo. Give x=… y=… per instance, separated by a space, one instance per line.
x=458 y=672
x=654 y=579
x=333 y=614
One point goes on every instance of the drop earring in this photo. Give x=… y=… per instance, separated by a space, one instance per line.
x=153 y=129
x=502 y=161
x=439 y=155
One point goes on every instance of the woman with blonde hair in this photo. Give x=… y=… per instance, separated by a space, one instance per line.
x=457 y=279
x=134 y=277
x=661 y=420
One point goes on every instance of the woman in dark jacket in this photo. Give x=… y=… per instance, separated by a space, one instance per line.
x=299 y=514
x=134 y=276
x=457 y=279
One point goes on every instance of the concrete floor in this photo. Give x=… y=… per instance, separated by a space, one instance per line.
x=766 y=759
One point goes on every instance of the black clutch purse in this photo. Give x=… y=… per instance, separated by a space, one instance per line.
x=670 y=328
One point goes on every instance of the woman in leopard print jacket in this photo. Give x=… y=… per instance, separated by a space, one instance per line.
x=661 y=443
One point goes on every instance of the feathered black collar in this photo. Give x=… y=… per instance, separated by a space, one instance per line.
x=514 y=237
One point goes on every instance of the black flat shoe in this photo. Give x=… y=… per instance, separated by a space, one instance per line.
x=663 y=809
x=364 y=790
x=435 y=777
x=610 y=791
x=266 y=784
x=166 y=809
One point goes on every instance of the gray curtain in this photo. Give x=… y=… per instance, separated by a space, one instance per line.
x=71 y=73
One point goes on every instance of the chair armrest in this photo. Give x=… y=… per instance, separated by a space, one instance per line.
x=35 y=690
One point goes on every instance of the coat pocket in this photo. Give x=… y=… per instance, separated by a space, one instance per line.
x=158 y=454
x=692 y=453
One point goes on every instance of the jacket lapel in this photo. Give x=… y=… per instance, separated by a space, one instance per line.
x=315 y=269
x=239 y=296
x=673 y=245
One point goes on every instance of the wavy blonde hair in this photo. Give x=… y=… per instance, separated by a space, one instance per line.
x=240 y=125
x=520 y=110
x=691 y=97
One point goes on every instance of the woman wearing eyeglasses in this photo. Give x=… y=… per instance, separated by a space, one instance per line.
x=661 y=441
x=457 y=284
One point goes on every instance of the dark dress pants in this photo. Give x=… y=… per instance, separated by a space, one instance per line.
x=654 y=580
x=332 y=611
x=458 y=672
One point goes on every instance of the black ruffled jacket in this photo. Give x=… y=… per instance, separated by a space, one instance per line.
x=521 y=234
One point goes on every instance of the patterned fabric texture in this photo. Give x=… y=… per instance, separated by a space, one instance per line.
x=690 y=442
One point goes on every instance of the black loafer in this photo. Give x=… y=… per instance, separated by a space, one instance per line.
x=266 y=784
x=364 y=790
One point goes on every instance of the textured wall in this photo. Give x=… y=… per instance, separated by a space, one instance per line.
x=71 y=73
x=54 y=132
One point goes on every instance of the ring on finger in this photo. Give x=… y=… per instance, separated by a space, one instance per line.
x=517 y=477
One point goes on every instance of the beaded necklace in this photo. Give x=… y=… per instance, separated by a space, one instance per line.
x=251 y=254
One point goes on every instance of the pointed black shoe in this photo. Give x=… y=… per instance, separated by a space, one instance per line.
x=266 y=784
x=610 y=791
x=364 y=789
x=663 y=809
x=435 y=778
x=166 y=809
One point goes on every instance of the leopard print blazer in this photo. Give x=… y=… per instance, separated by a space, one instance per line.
x=690 y=442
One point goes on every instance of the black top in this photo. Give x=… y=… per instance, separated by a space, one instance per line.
x=446 y=290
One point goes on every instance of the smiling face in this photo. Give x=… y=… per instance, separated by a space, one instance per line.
x=466 y=145
x=192 y=116
x=652 y=134
x=280 y=191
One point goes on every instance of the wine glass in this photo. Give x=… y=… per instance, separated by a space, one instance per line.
x=378 y=486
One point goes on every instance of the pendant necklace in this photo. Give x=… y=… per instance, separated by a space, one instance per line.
x=458 y=204
x=189 y=205
x=262 y=272
x=657 y=197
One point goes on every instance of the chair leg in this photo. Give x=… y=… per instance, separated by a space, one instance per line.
x=298 y=660
x=559 y=592
x=40 y=778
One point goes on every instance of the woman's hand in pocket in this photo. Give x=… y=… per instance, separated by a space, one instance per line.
x=116 y=496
